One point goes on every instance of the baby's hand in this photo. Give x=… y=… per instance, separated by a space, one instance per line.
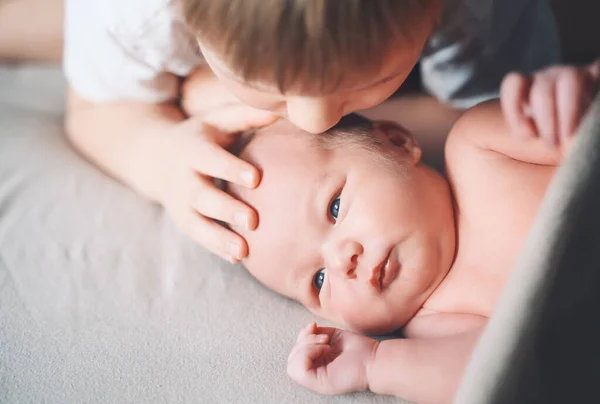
x=193 y=155
x=331 y=361
x=551 y=103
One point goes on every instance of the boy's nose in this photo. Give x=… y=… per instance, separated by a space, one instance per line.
x=341 y=258
x=314 y=115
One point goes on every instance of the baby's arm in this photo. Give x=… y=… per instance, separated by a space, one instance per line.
x=485 y=128
x=425 y=367
x=422 y=370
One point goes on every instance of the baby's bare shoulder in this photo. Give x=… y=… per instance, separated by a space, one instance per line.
x=473 y=131
x=469 y=164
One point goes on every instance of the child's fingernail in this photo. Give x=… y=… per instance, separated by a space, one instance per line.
x=242 y=219
x=234 y=249
x=322 y=339
x=248 y=177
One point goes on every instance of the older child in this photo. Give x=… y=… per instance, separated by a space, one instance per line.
x=309 y=61
x=356 y=229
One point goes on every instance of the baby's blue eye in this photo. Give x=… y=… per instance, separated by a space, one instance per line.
x=334 y=208
x=319 y=279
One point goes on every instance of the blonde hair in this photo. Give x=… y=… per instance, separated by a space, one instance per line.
x=312 y=43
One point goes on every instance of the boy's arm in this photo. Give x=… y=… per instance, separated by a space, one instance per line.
x=422 y=370
x=123 y=138
x=172 y=160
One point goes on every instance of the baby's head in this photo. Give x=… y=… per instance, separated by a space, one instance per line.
x=312 y=61
x=350 y=223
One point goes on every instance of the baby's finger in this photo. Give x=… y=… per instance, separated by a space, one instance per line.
x=514 y=95
x=301 y=360
x=307 y=330
x=217 y=162
x=570 y=94
x=214 y=237
x=542 y=99
x=212 y=202
x=239 y=118
x=313 y=339
x=327 y=330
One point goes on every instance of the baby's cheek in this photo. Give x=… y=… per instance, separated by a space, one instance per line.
x=349 y=311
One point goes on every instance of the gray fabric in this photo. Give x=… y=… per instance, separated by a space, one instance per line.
x=542 y=344
x=479 y=41
x=102 y=300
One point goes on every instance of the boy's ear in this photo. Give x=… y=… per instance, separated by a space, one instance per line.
x=400 y=137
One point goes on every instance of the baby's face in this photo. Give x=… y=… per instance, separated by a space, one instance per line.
x=360 y=237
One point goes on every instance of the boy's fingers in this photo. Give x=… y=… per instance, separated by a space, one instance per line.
x=542 y=99
x=570 y=102
x=514 y=94
x=219 y=163
x=238 y=118
x=594 y=69
x=216 y=238
x=211 y=202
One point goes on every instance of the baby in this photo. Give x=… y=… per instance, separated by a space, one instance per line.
x=355 y=228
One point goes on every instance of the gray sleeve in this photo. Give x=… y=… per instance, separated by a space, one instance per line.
x=479 y=41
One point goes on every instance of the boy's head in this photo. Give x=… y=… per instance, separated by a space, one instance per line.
x=312 y=61
x=355 y=201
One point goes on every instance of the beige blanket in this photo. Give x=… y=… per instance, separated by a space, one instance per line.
x=104 y=301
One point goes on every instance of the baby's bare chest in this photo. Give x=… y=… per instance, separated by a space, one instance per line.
x=496 y=207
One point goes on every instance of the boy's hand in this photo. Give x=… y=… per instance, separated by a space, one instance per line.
x=551 y=103
x=331 y=361
x=193 y=155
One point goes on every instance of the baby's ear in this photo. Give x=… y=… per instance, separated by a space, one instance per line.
x=399 y=136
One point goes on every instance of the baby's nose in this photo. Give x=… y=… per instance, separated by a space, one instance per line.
x=342 y=257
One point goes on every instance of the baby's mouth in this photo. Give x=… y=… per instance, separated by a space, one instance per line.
x=385 y=272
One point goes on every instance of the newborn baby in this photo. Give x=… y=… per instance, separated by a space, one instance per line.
x=355 y=228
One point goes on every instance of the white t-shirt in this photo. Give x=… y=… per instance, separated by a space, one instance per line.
x=138 y=49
